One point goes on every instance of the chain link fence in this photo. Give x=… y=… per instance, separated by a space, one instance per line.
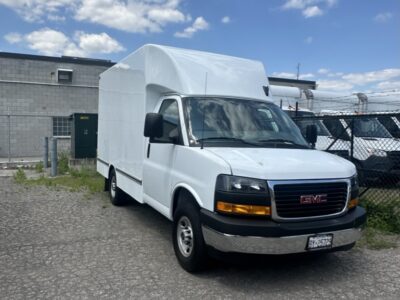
x=21 y=136
x=370 y=141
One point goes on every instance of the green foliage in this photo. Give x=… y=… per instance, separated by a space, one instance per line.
x=78 y=180
x=383 y=216
x=20 y=176
x=39 y=167
x=63 y=163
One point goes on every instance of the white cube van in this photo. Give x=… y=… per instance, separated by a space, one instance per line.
x=195 y=136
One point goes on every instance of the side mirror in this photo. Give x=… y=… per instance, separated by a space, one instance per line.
x=153 y=125
x=311 y=134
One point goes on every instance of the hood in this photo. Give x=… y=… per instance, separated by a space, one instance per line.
x=386 y=144
x=284 y=164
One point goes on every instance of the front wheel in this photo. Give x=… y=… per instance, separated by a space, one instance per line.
x=187 y=238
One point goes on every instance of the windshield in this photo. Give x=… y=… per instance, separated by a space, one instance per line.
x=391 y=125
x=239 y=122
x=303 y=123
x=369 y=127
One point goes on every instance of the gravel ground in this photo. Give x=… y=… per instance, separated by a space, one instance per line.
x=55 y=244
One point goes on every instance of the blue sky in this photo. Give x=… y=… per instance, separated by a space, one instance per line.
x=346 y=45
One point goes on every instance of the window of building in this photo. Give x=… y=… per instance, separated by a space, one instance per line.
x=61 y=126
x=64 y=75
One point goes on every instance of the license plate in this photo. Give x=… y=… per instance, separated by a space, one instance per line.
x=320 y=241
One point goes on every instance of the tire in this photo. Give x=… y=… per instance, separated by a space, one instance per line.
x=187 y=237
x=116 y=194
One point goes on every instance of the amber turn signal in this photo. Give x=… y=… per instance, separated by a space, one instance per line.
x=243 y=209
x=352 y=203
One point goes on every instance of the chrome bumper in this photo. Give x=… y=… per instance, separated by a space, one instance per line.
x=273 y=245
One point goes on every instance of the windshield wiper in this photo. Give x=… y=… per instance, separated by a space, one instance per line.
x=224 y=138
x=283 y=141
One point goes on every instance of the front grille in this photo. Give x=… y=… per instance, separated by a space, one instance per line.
x=288 y=204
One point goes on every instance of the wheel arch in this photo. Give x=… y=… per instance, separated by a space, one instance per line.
x=183 y=188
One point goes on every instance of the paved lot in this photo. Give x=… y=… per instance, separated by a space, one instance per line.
x=63 y=245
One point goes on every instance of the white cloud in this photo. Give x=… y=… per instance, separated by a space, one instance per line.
x=337 y=74
x=292 y=75
x=309 y=40
x=309 y=8
x=312 y=11
x=13 y=37
x=131 y=16
x=383 y=17
x=48 y=41
x=51 y=42
x=374 y=76
x=97 y=43
x=389 y=85
x=386 y=79
x=56 y=18
x=127 y=15
x=334 y=85
x=296 y=4
x=35 y=10
x=199 y=24
x=306 y=76
x=226 y=20
x=163 y=16
x=323 y=71
x=284 y=75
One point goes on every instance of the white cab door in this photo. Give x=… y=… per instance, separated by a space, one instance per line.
x=160 y=156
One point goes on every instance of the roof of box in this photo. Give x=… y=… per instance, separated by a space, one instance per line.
x=191 y=72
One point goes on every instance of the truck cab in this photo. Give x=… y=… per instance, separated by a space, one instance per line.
x=375 y=151
x=193 y=135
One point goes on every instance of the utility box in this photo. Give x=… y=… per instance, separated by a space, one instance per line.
x=83 y=135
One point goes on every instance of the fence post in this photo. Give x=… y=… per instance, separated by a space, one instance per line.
x=53 y=157
x=352 y=140
x=9 y=137
x=45 y=152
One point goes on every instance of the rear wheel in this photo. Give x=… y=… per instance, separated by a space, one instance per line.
x=187 y=237
x=116 y=194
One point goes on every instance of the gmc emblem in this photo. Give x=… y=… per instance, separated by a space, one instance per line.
x=313 y=199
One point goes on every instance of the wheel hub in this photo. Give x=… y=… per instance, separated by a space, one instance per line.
x=185 y=236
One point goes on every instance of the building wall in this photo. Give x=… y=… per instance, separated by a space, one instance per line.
x=31 y=95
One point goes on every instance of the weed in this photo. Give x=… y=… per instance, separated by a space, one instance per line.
x=63 y=163
x=20 y=176
x=39 y=167
x=86 y=179
x=383 y=216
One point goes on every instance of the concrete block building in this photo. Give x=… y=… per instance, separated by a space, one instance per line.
x=37 y=96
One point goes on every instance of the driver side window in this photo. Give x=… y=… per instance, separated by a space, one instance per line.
x=170 y=112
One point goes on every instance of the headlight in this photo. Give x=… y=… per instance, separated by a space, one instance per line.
x=354 y=190
x=227 y=183
x=377 y=152
x=242 y=196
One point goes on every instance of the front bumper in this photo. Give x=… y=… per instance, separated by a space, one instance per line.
x=229 y=234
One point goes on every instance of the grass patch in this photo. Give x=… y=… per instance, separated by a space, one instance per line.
x=63 y=163
x=383 y=224
x=20 y=176
x=81 y=180
x=383 y=216
x=39 y=167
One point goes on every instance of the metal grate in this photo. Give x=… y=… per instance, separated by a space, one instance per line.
x=320 y=199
